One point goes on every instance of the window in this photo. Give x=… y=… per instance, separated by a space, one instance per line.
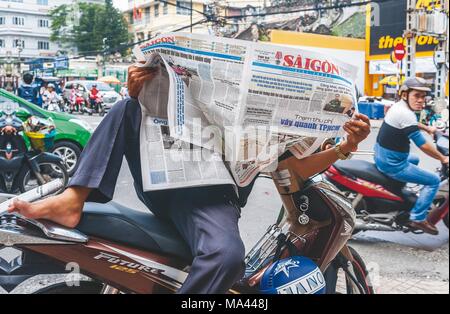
x=131 y=18
x=2 y=43
x=18 y=20
x=165 y=8
x=43 y=45
x=42 y=2
x=183 y=8
x=147 y=13
x=156 y=10
x=18 y=43
x=2 y=20
x=43 y=23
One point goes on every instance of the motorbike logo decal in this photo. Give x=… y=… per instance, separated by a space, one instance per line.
x=347 y=229
x=125 y=266
x=286 y=266
x=168 y=271
x=10 y=259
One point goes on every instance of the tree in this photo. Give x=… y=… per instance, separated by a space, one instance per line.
x=111 y=26
x=86 y=25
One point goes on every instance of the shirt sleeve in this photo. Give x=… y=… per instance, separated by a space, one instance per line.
x=416 y=136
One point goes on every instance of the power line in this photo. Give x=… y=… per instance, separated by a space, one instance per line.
x=108 y=51
x=317 y=8
x=180 y=6
x=216 y=19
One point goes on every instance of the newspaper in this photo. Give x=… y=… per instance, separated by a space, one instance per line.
x=219 y=110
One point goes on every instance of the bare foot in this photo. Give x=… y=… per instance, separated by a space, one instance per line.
x=64 y=209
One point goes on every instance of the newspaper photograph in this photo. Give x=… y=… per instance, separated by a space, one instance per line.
x=246 y=102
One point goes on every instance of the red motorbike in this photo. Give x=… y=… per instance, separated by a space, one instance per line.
x=116 y=249
x=78 y=104
x=97 y=105
x=382 y=203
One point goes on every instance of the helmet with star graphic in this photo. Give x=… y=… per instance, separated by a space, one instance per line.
x=293 y=275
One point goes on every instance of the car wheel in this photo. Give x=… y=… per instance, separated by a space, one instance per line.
x=69 y=153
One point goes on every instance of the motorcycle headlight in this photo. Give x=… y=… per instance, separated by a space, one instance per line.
x=83 y=124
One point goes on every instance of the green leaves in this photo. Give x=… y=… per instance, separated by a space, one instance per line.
x=91 y=28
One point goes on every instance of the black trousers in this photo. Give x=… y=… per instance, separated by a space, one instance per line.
x=206 y=217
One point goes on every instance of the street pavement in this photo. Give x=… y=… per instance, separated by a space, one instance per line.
x=398 y=262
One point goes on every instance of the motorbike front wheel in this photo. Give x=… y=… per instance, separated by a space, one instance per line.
x=346 y=277
x=49 y=171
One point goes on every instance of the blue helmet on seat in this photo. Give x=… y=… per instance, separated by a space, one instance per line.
x=293 y=275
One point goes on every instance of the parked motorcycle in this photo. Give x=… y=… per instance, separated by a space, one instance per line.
x=22 y=169
x=122 y=250
x=384 y=204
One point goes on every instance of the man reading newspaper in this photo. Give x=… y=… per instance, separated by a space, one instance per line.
x=206 y=216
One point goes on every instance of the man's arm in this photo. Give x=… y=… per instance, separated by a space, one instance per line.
x=431 y=151
x=428 y=148
x=357 y=129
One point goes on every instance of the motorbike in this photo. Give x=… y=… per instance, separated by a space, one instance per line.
x=116 y=249
x=79 y=104
x=384 y=204
x=22 y=169
x=54 y=105
x=98 y=105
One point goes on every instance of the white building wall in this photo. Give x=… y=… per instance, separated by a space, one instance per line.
x=30 y=32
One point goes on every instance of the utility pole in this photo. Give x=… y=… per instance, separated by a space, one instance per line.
x=103 y=61
x=19 y=50
x=432 y=21
x=442 y=62
x=192 y=13
x=410 y=36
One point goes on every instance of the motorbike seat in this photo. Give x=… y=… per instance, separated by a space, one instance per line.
x=369 y=172
x=142 y=230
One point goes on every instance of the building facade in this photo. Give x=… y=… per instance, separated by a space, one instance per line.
x=25 y=28
x=149 y=18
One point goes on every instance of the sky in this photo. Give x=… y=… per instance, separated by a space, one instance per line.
x=121 y=4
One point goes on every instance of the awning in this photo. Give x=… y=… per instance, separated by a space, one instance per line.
x=423 y=65
x=78 y=73
x=392 y=80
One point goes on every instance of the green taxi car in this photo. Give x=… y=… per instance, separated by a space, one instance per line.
x=72 y=133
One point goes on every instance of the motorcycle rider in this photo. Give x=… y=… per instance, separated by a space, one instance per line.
x=51 y=99
x=392 y=150
x=94 y=93
x=206 y=217
x=27 y=90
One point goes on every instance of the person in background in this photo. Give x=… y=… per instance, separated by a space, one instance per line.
x=51 y=98
x=124 y=91
x=42 y=91
x=27 y=90
x=94 y=93
x=392 y=150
